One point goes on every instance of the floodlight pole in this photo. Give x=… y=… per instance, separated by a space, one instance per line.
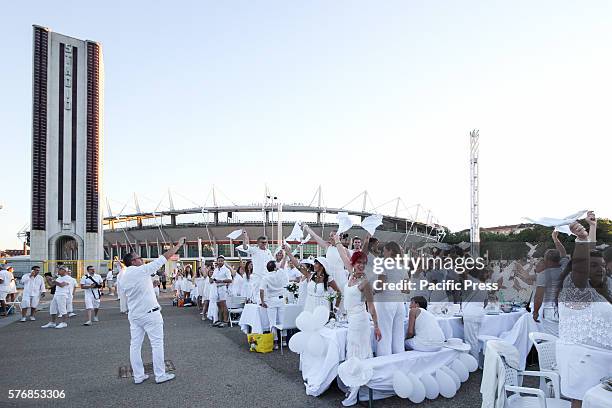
x=474 y=197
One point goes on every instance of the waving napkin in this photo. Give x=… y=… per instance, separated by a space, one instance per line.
x=557 y=222
x=344 y=222
x=235 y=234
x=296 y=233
x=371 y=223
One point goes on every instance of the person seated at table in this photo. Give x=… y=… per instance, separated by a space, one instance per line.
x=319 y=282
x=272 y=295
x=424 y=332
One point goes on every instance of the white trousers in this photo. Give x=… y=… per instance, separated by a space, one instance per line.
x=153 y=325
x=276 y=311
x=391 y=317
x=69 y=307
x=122 y=302
x=416 y=345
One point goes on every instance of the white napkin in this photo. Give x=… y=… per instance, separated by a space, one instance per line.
x=296 y=234
x=557 y=222
x=235 y=234
x=371 y=223
x=344 y=222
x=564 y=229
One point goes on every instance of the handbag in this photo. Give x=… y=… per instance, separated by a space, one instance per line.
x=261 y=343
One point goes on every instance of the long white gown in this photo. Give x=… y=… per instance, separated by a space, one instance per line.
x=358 y=338
x=316 y=294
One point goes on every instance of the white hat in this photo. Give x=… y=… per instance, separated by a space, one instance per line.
x=456 y=344
x=323 y=261
x=307 y=261
x=354 y=373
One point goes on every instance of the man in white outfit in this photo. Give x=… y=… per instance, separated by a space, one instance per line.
x=58 y=308
x=33 y=288
x=260 y=256
x=91 y=283
x=5 y=280
x=71 y=292
x=145 y=313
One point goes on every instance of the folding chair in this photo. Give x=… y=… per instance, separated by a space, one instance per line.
x=288 y=323
x=17 y=302
x=235 y=306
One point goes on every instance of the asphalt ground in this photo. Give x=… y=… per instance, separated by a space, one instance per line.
x=213 y=366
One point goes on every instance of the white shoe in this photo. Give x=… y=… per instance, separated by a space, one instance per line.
x=141 y=380
x=49 y=325
x=164 y=378
x=61 y=325
x=32 y=318
x=23 y=319
x=95 y=319
x=87 y=323
x=71 y=314
x=202 y=313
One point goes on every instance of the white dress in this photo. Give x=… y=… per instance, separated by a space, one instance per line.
x=358 y=338
x=584 y=349
x=316 y=294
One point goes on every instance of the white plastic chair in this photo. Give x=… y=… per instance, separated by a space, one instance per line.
x=510 y=376
x=17 y=302
x=235 y=306
x=546 y=346
x=289 y=316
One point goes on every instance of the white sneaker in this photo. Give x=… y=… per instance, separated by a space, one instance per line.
x=71 y=314
x=23 y=319
x=49 y=325
x=141 y=380
x=164 y=378
x=61 y=325
x=87 y=323
x=95 y=319
x=32 y=318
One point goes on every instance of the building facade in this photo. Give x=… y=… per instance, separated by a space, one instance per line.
x=67 y=133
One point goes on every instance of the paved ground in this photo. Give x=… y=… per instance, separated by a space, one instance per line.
x=213 y=366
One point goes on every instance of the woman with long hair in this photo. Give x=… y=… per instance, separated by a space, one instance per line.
x=584 y=349
x=319 y=282
x=200 y=283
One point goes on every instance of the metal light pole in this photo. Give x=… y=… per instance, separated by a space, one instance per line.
x=474 y=197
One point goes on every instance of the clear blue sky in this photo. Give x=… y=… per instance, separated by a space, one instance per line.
x=298 y=94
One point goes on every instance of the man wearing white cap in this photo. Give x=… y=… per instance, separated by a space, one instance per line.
x=91 y=283
x=145 y=313
x=33 y=288
x=60 y=300
x=260 y=256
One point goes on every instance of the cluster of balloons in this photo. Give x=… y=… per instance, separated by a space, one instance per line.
x=445 y=381
x=308 y=340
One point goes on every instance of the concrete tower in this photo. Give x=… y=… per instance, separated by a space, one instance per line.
x=67 y=132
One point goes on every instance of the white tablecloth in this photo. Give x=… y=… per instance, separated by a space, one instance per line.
x=452 y=326
x=494 y=325
x=597 y=397
x=255 y=318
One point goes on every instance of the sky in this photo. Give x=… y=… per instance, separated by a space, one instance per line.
x=350 y=95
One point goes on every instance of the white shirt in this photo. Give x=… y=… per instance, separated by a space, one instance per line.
x=66 y=290
x=293 y=274
x=32 y=286
x=6 y=277
x=222 y=273
x=274 y=283
x=73 y=283
x=109 y=276
x=260 y=258
x=138 y=287
x=91 y=292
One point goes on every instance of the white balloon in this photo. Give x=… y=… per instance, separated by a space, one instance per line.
x=402 y=385
x=305 y=322
x=461 y=370
x=432 y=390
x=320 y=317
x=418 y=389
x=445 y=384
x=452 y=375
x=469 y=361
x=316 y=345
x=297 y=342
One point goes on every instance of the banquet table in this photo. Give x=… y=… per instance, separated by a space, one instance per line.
x=597 y=397
x=255 y=317
x=319 y=372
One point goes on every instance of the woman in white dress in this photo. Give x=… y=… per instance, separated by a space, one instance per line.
x=584 y=349
x=200 y=283
x=358 y=293
x=424 y=332
x=319 y=282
